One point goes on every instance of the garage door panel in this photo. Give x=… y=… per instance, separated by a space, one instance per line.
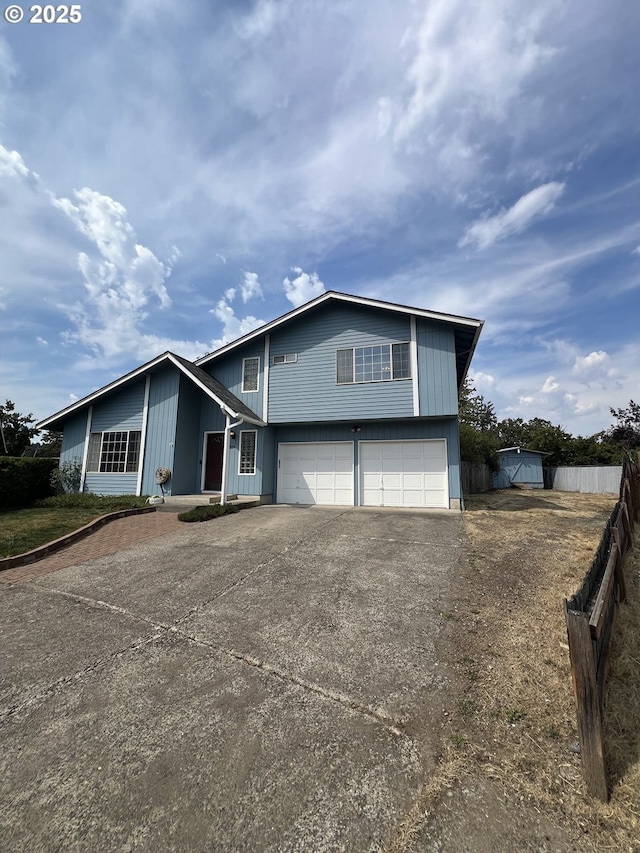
x=315 y=473
x=404 y=473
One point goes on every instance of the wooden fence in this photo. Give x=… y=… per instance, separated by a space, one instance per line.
x=589 y=479
x=475 y=477
x=590 y=616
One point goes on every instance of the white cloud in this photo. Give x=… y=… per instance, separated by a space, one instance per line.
x=120 y=281
x=250 y=286
x=590 y=363
x=232 y=327
x=303 y=288
x=42 y=341
x=550 y=385
x=12 y=164
x=536 y=203
x=497 y=48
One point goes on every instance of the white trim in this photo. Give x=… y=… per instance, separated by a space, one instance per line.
x=166 y=356
x=85 y=453
x=255 y=453
x=342 y=297
x=143 y=433
x=265 y=384
x=391 y=378
x=413 y=356
x=447 y=498
x=250 y=390
x=225 y=458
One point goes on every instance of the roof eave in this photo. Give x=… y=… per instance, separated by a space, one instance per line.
x=340 y=297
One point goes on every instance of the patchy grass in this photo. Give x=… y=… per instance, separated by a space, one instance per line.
x=24 y=529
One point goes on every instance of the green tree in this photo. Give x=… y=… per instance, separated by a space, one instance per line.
x=478 y=427
x=16 y=432
x=626 y=431
x=474 y=410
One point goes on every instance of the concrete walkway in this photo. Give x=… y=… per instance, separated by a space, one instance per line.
x=267 y=681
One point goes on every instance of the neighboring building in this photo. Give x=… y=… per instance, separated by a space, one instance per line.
x=344 y=400
x=519 y=467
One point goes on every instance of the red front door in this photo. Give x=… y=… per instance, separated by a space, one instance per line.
x=213 y=463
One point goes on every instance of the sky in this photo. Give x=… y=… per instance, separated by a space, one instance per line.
x=172 y=175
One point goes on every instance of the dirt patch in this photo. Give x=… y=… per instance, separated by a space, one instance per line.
x=510 y=777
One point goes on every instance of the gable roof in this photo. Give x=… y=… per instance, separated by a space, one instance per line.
x=211 y=387
x=522 y=450
x=466 y=329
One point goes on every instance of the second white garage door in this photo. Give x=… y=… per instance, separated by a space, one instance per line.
x=404 y=473
x=315 y=472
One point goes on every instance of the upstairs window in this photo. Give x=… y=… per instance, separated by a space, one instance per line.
x=250 y=374
x=114 y=452
x=373 y=364
x=289 y=358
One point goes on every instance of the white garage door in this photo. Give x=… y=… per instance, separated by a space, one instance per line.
x=315 y=473
x=404 y=473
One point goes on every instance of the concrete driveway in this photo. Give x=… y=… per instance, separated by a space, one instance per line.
x=263 y=682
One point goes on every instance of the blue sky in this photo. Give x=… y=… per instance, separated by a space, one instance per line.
x=173 y=174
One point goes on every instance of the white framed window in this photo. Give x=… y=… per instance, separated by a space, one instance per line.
x=381 y=363
x=116 y=452
x=247 y=455
x=289 y=358
x=250 y=374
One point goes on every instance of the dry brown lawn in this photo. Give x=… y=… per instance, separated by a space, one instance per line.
x=510 y=776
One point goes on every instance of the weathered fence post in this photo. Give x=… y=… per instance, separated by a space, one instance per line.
x=585 y=687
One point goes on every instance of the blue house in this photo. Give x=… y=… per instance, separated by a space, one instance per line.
x=344 y=400
x=519 y=467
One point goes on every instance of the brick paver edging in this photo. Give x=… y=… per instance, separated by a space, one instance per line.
x=44 y=550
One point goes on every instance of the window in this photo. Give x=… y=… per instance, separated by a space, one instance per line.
x=247 y=463
x=289 y=358
x=373 y=364
x=250 y=372
x=114 y=452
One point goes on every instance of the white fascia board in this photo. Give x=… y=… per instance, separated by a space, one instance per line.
x=340 y=297
x=128 y=377
x=224 y=406
x=79 y=404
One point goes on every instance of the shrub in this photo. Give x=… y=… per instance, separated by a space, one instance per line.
x=24 y=480
x=67 y=477
x=204 y=513
x=87 y=500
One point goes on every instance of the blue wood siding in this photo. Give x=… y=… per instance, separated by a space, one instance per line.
x=385 y=430
x=111 y=484
x=185 y=478
x=523 y=468
x=436 y=368
x=73 y=436
x=121 y=410
x=246 y=484
x=307 y=391
x=228 y=370
x=161 y=428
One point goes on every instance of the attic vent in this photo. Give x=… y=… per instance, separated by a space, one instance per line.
x=289 y=358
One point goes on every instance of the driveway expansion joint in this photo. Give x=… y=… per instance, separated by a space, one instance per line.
x=379 y=716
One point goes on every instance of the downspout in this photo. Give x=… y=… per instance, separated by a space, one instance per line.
x=225 y=454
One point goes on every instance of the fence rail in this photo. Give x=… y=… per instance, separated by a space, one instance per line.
x=590 y=615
